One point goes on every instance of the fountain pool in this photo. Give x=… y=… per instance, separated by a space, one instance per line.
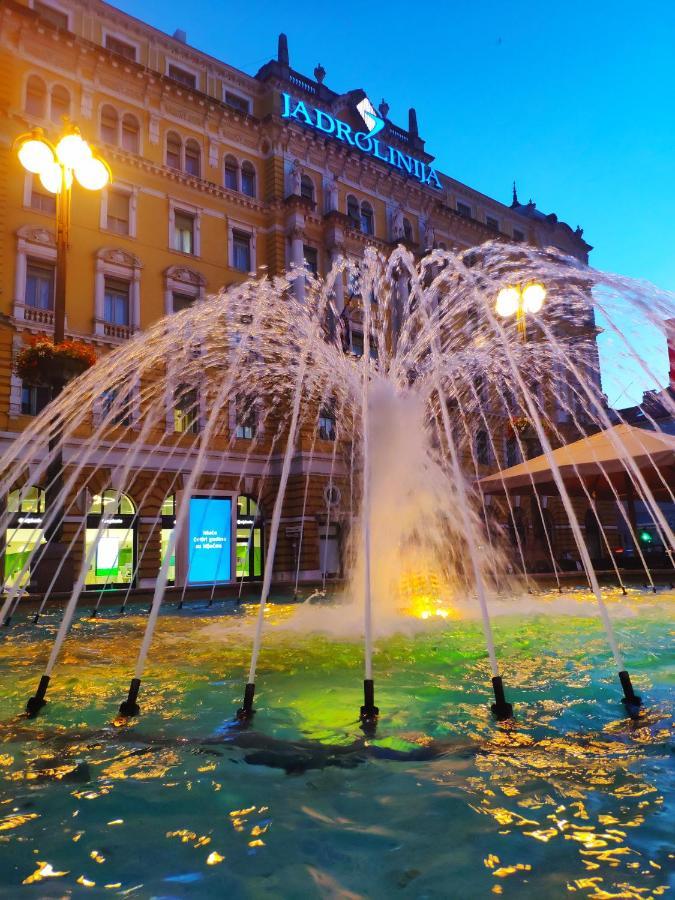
x=571 y=797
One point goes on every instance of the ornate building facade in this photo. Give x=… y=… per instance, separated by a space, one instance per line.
x=217 y=176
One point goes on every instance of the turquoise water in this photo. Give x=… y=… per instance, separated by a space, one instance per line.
x=572 y=799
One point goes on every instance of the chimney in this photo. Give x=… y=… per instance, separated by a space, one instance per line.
x=180 y=35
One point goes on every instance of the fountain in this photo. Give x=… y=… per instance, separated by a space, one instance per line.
x=421 y=417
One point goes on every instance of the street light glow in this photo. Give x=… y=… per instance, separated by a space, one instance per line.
x=35 y=155
x=533 y=297
x=72 y=151
x=508 y=300
x=50 y=177
x=92 y=174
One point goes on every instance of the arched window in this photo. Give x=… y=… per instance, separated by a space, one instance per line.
x=231 y=173
x=111 y=540
x=307 y=188
x=193 y=158
x=248 y=179
x=36 y=97
x=482 y=448
x=174 y=147
x=367 y=219
x=407 y=230
x=60 y=105
x=110 y=503
x=24 y=534
x=353 y=211
x=109 y=124
x=131 y=134
x=30 y=499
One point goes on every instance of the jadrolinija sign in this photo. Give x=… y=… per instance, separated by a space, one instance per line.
x=365 y=141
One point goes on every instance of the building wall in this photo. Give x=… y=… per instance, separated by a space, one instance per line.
x=75 y=59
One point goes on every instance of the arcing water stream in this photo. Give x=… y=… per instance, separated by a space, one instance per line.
x=443 y=386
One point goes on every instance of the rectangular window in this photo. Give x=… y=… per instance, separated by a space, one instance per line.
x=117 y=215
x=241 y=104
x=53 y=16
x=181 y=301
x=311 y=255
x=116 y=302
x=464 y=209
x=186 y=411
x=184 y=232
x=128 y=51
x=41 y=202
x=33 y=399
x=327 y=424
x=189 y=79
x=492 y=223
x=114 y=411
x=241 y=251
x=518 y=235
x=247 y=420
x=39 y=285
x=357 y=343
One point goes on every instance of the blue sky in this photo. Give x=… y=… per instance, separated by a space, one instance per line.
x=574 y=100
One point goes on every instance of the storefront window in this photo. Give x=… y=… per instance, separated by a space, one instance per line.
x=168 y=514
x=249 y=538
x=111 y=540
x=24 y=533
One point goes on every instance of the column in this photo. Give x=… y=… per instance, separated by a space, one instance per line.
x=298 y=261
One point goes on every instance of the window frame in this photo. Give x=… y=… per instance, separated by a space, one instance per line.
x=182 y=67
x=131 y=192
x=115 y=290
x=56 y=7
x=32 y=262
x=177 y=207
x=247 y=100
x=247 y=165
x=123 y=39
x=243 y=228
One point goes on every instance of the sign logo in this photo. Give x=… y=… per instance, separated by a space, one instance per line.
x=373 y=121
x=364 y=141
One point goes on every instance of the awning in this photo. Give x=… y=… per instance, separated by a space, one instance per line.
x=593 y=462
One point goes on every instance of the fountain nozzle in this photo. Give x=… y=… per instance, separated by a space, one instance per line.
x=369 y=712
x=36 y=702
x=630 y=699
x=130 y=707
x=501 y=709
x=246 y=712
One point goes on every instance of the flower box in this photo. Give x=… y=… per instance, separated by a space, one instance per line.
x=48 y=364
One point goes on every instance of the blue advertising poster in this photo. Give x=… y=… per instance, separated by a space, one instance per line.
x=210 y=540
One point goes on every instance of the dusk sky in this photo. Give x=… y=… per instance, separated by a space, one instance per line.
x=575 y=101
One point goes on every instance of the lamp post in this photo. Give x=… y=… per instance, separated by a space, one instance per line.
x=56 y=165
x=519 y=301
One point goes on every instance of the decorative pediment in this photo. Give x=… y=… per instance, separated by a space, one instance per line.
x=117 y=257
x=35 y=234
x=185 y=276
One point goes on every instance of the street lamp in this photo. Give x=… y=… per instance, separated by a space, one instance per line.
x=57 y=165
x=519 y=301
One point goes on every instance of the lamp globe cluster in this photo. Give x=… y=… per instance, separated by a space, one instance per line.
x=57 y=165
